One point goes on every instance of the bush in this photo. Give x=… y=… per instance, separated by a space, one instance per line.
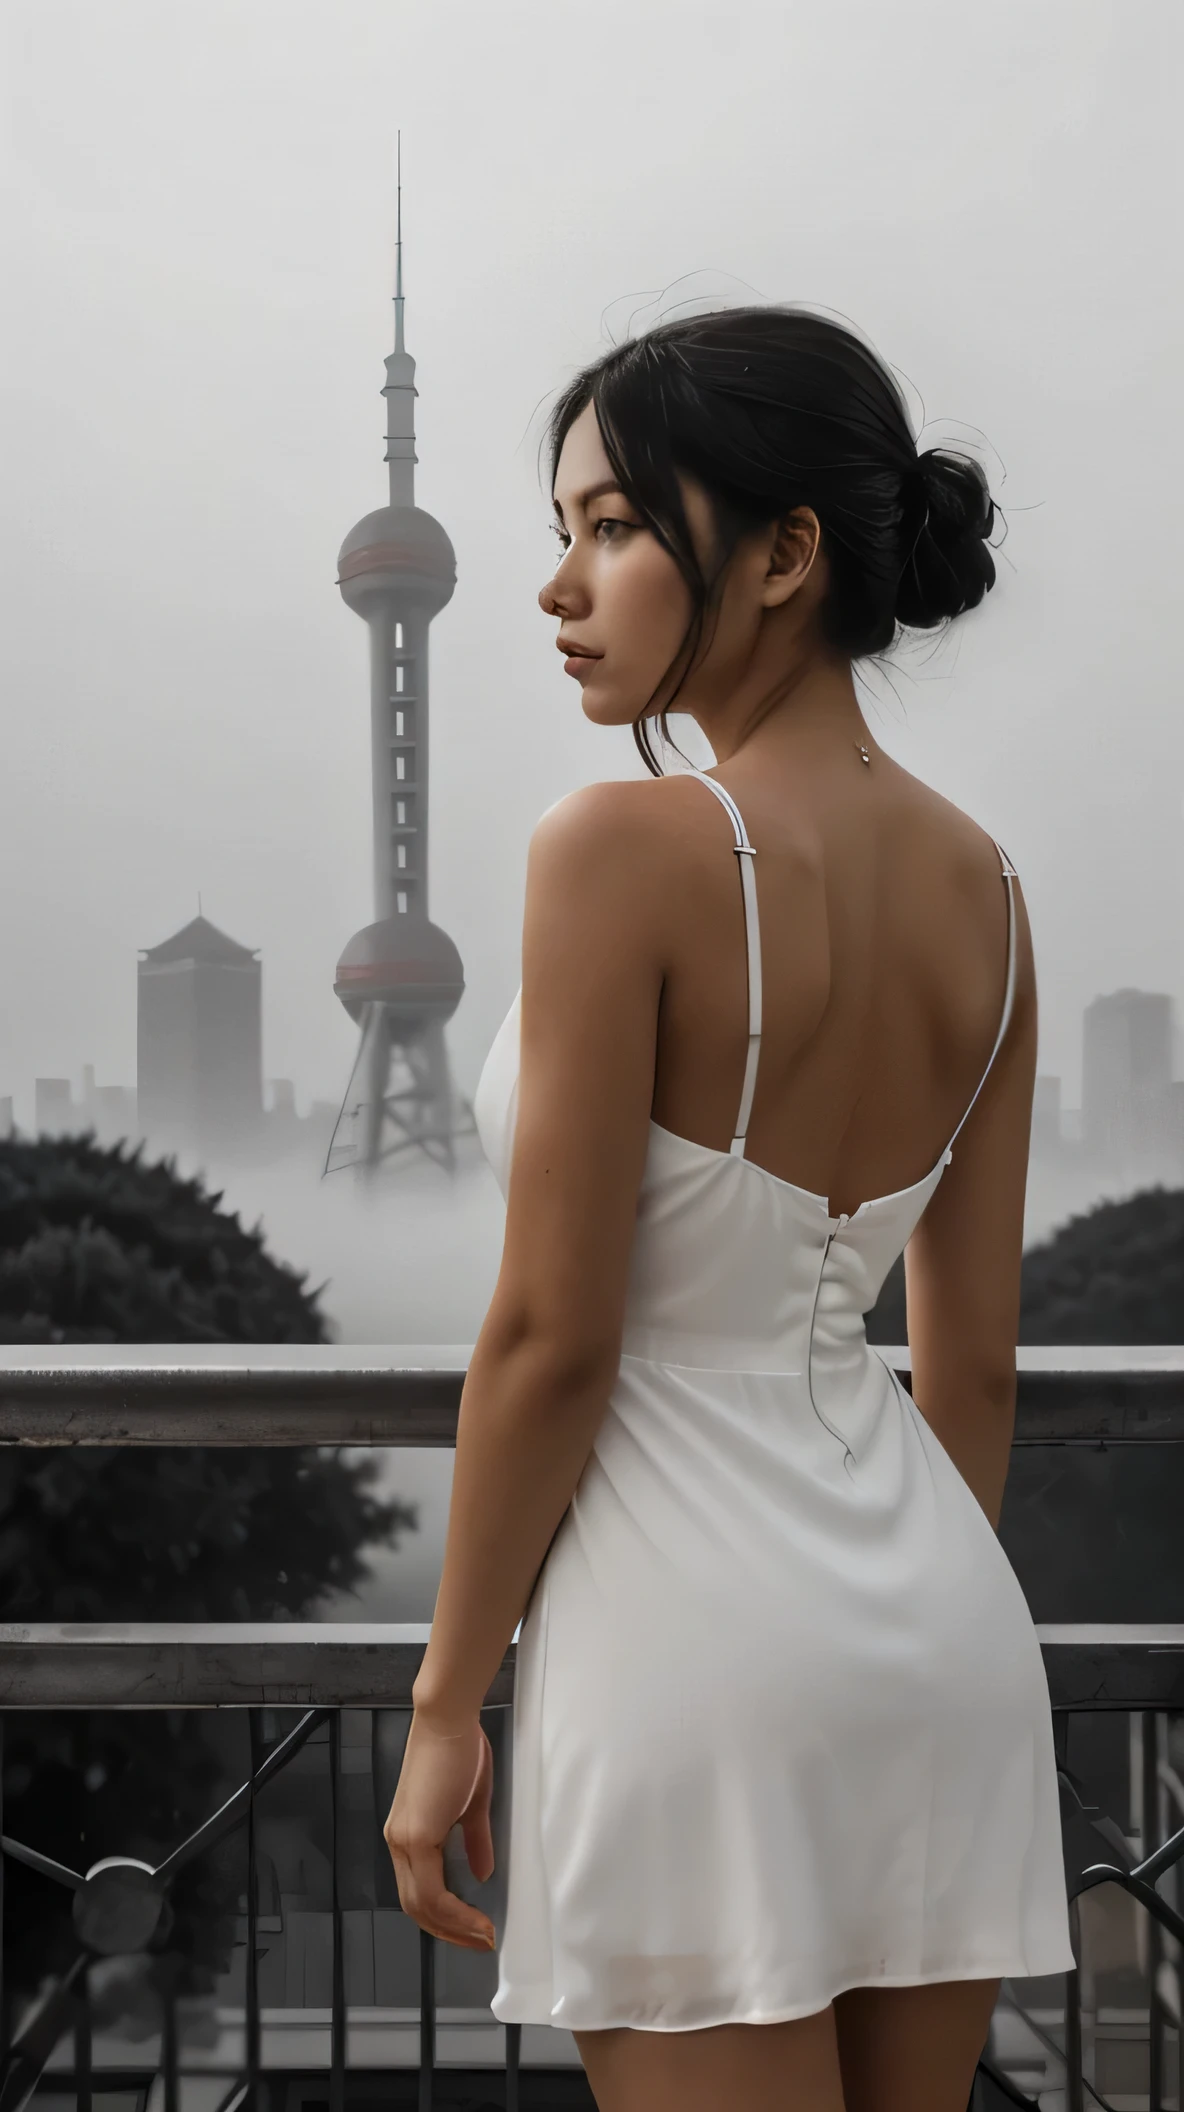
x=97 y=1246
x=1114 y=1274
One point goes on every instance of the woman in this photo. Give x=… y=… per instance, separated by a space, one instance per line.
x=784 y=1802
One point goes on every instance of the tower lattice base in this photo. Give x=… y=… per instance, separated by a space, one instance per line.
x=400 y=1100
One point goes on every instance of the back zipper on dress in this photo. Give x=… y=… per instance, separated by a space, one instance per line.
x=831 y=1236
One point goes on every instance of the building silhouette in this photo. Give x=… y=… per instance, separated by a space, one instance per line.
x=53 y=1106
x=199 y=1041
x=110 y=1110
x=107 y=1110
x=1128 y=1106
x=400 y=978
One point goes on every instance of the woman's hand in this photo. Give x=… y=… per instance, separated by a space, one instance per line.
x=446 y=1778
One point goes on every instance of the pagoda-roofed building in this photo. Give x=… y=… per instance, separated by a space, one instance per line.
x=199 y=940
x=200 y=1041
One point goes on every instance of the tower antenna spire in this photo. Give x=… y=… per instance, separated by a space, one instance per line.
x=399 y=347
x=399 y=389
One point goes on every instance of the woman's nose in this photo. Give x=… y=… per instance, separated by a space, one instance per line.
x=556 y=598
x=561 y=596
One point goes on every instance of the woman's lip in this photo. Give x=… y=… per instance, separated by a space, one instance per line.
x=578 y=661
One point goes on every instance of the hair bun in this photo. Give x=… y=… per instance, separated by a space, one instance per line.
x=948 y=567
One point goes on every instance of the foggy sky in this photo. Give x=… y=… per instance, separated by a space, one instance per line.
x=199 y=220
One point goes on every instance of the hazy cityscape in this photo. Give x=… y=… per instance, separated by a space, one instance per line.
x=201 y=1095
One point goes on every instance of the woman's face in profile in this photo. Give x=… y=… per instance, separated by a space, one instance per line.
x=624 y=608
x=622 y=605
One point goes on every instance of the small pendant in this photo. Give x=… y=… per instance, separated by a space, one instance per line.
x=863 y=754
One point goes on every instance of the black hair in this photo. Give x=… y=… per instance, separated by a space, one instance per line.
x=772 y=408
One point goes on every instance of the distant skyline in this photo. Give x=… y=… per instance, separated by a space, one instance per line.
x=81 y=1075
x=199 y=251
x=1127 y=1125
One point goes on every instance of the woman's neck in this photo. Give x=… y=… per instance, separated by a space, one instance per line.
x=814 y=710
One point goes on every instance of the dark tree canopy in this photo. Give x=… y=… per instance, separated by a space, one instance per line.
x=96 y=1246
x=1114 y=1274
x=193 y=1533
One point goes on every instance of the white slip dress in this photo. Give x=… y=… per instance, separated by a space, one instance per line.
x=781 y=1726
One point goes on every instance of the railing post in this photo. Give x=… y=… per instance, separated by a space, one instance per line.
x=513 y=2066
x=427 y=2022
x=251 y=1997
x=1156 y=2019
x=337 y=2013
x=3 y=1989
x=168 y=2039
x=83 y=2050
x=1074 y=2046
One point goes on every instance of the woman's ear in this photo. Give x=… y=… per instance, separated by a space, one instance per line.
x=791 y=558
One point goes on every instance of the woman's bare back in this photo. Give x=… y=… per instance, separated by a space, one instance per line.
x=883 y=927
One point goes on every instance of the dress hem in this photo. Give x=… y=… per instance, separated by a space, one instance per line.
x=520 y=2010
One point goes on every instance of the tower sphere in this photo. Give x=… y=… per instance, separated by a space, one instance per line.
x=405 y=963
x=398 y=548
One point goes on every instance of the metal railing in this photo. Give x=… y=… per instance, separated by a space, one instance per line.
x=408 y=1397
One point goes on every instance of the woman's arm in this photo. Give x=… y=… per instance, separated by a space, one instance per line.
x=962 y=1265
x=548 y=1352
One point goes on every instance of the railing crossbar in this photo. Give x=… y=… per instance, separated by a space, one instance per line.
x=44 y=1865
x=237 y=1807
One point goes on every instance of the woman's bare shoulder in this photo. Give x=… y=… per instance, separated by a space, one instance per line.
x=638 y=818
x=937 y=830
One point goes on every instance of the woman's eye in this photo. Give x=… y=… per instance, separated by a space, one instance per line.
x=609 y=521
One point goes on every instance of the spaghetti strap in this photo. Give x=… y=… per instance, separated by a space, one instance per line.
x=745 y=853
x=1008 y=874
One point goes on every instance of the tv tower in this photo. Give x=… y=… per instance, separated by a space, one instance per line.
x=400 y=978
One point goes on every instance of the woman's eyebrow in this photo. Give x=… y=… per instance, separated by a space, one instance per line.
x=594 y=491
